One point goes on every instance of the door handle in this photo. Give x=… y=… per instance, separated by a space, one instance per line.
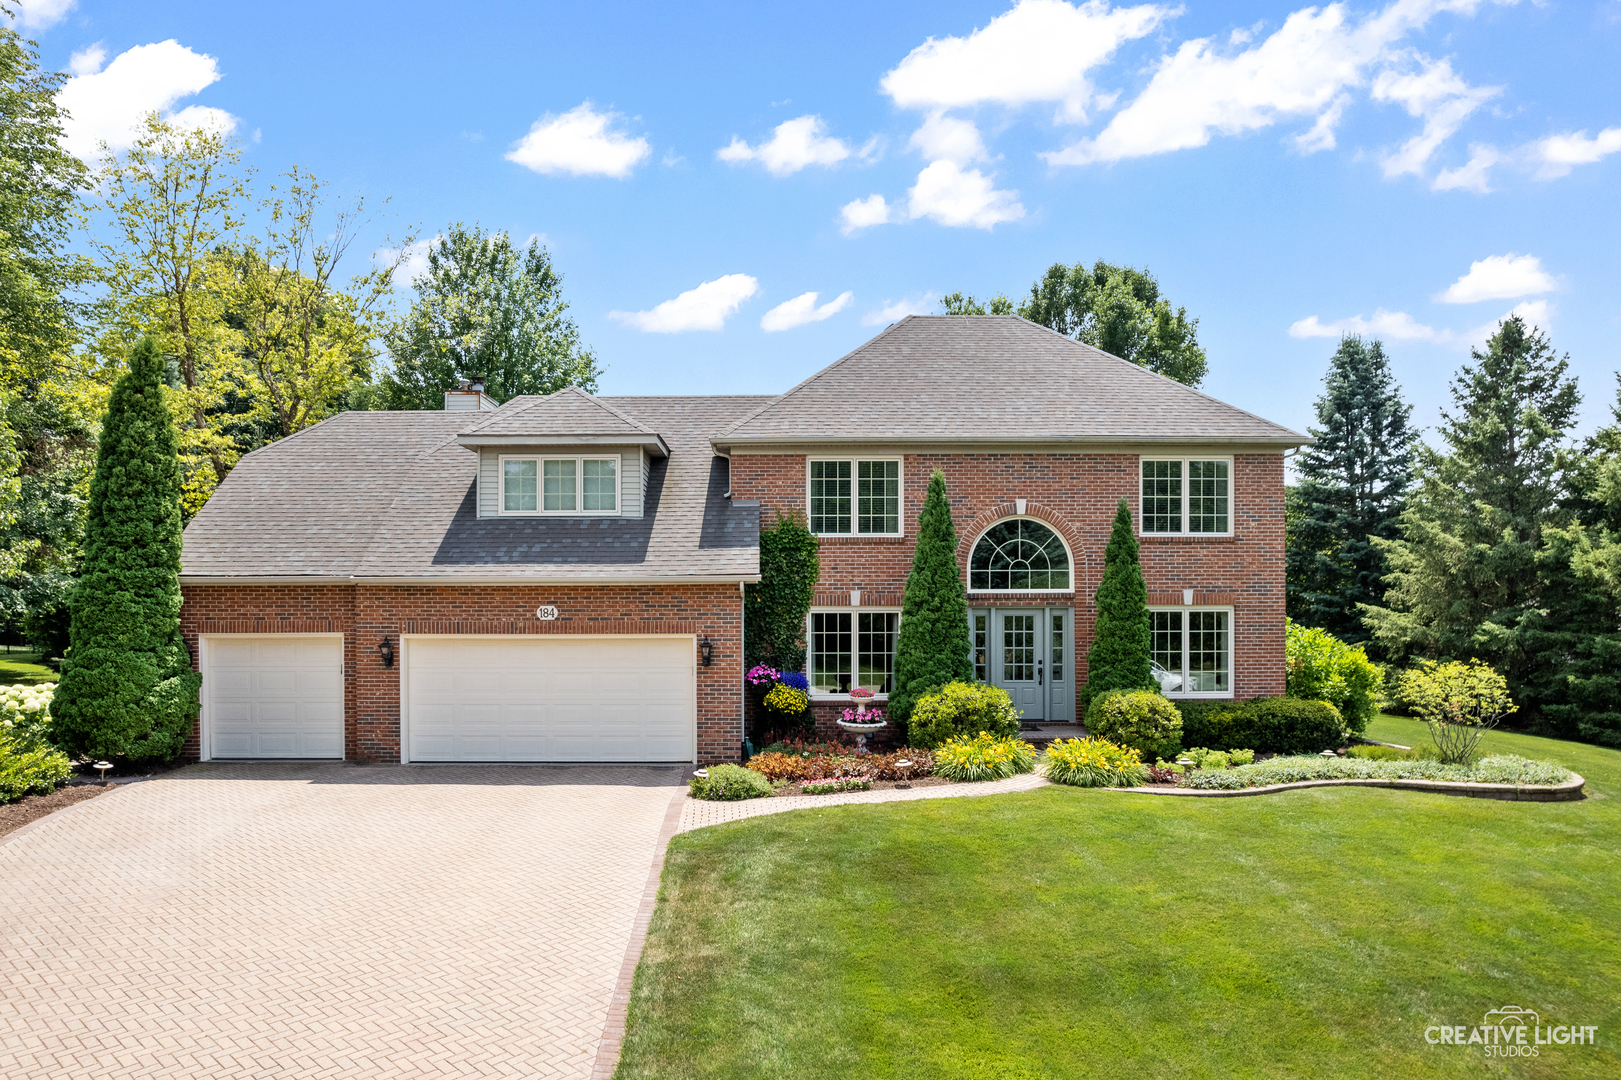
x=1038 y=672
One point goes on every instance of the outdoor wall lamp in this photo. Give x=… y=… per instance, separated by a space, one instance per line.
x=706 y=649
x=386 y=651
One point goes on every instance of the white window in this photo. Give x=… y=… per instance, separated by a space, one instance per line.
x=559 y=485
x=855 y=496
x=851 y=648
x=1192 y=651
x=1186 y=496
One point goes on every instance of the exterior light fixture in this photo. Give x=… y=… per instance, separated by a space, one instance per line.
x=386 y=651
x=706 y=649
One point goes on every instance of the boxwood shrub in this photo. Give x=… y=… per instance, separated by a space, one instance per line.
x=1144 y=720
x=729 y=783
x=961 y=709
x=1278 y=725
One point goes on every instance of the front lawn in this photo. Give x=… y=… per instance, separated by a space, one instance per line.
x=24 y=668
x=1075 y=932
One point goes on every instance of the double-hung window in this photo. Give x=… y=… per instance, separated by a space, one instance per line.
x=852 y=648
x=1187 y=496
x=559 y=485
x=852 y=496
x=1192 y=651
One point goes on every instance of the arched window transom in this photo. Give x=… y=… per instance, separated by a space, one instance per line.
x=1018 y=554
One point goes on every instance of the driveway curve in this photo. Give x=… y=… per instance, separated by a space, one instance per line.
x=327 y=921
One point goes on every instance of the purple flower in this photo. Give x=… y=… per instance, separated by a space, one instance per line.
x=794 y=679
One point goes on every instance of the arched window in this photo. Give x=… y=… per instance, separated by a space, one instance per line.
x=1018 y=554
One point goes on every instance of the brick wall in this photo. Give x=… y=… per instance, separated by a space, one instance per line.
x=1076 y=494
x=364 y=614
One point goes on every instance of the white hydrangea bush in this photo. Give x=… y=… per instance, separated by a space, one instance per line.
x=29 y=765
x=25 y=709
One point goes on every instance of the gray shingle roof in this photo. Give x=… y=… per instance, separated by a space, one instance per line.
x=966 y=378
x=570 y=411
x=390 y=495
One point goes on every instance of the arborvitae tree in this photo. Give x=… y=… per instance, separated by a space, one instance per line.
x=774 y=609
x=933 y=647
x=127 y=687
x=1464 y=573
x=1119 y=656
x=1352 y=483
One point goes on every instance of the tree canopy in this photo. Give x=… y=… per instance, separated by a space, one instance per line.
x=485 y=307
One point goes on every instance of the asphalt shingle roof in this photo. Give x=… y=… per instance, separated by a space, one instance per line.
x=965 y=378
x=384 y=495
x=570 y=411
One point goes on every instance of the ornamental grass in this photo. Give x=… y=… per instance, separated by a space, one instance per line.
x=983 y=757
x=1093 y=763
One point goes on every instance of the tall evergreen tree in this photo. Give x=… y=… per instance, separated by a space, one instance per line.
x=1119 y=656
x=127 y=687
x=1352 y=483
x=1464 y=573
x=933 y=646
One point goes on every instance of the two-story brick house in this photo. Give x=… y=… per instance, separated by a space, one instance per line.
x=560 y=578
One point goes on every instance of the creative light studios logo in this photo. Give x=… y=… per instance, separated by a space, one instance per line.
x=1512 y=1032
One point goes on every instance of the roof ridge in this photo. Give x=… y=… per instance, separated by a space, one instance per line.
x=599 y=403
x=1155 y=374
x=814 y=376
x=540 y=401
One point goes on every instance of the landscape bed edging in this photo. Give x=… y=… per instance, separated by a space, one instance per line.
x=1569 y=791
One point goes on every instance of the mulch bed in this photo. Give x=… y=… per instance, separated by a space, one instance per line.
x=882 y=785
x=14 y=816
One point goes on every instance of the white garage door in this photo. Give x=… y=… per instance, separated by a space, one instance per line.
x=274 y=696
x=550 y=699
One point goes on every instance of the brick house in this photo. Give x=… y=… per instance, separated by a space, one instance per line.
x=560 y=578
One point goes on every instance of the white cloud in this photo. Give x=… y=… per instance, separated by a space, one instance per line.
x=900 y=309
x=413 y=261
x=1439 y=96
x=1321 y=134
x=1474 y=175
x=802 y=309
x=705 y=308
x=794 y=145
x=948 y=138
x=1395 y=325
x=862 y=213
x=108 y=105
x=88 y=60
x=1499 y=277
x=1558 y=154
x=1040 y=51
x=580 y=143
x=1300 y=70
x=952 y=196
x=41 y=14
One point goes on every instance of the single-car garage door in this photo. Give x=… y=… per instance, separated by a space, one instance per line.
x=550 y=699
x=273 y=696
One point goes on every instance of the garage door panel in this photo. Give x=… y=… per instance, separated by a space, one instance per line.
x=550 y=699
x=275 y=697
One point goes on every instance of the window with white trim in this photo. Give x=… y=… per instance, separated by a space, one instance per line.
x=1192 y=651
x=1186 y=496
x=559 y=485
x=1019 y=555
x=851 y=648
x=855 y=496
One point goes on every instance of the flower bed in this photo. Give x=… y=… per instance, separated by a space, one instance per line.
x=983 y=757
x=842 y=783
x=1500 y=769
x=1093 y=763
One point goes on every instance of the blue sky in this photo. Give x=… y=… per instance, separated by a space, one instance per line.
x=1412 y=169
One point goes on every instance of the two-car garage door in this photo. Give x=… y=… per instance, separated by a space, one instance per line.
x=549 y=699
x=462 y=698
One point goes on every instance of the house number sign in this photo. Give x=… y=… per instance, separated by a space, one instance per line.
x=546 y=612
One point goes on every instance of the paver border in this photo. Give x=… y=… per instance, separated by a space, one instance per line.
x=613 y=1031
x=1569 y=791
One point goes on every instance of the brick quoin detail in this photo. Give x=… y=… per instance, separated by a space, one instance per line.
x=365 y=613
x=1076 y=494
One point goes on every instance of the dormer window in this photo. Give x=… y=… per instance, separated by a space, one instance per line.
x=559 y=485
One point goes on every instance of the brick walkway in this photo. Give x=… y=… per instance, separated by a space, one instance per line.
x=697 y=813
x=326 y=921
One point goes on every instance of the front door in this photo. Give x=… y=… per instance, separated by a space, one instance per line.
x=1022 y=661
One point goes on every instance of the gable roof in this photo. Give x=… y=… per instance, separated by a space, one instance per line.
x=569 y=414
x=389 y=495
x=994 y=379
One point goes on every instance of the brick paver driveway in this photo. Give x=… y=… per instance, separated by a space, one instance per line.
x=326 y=921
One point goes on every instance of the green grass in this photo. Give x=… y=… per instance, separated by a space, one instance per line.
x=24 y=668
x=1073 y=932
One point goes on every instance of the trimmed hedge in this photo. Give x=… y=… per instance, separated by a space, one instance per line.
x=960 y=709
x=1278 y=725
x=1144 y=720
